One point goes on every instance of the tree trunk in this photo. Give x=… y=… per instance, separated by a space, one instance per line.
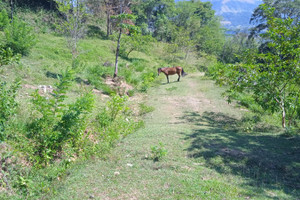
x=117 y=54
x=283 y=114
x=108 y=31
x=12 y=10
x=283 y=118
x=186 y=54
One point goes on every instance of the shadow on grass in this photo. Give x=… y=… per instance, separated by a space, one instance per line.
x=56 y=76
x=171 y=82
x=266 y=160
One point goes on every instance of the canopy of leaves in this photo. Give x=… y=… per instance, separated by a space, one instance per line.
x=272 y=78
x=282 y=9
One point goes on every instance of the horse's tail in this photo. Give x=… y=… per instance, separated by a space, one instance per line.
x=183 y=74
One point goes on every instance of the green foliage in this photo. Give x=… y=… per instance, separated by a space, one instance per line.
x=271 y=78
x=8 y=105
x=147 y=78
x=136 y=42
x=55 y=123
x=115 y=120
x=235 y=47
x=158 y=152
x=157 y=13
x=4 y=20
x=282 y=9
x=116 y=106
x=7 y=56
x=19 y=37
x=73 y=25
x=197 y=27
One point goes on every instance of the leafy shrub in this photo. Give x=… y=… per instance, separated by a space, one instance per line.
x=115 y=120
x=7 y=56
x=8 y=104
x=158 y=152
x=147 y=78
x=135 y=42
x=4 y=20
x=55 y=123
x=116 y=106
x=19 y=37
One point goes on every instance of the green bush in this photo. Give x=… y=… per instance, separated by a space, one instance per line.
x=115 y=120
x=56 y=124
x=158 y=152
x=135 y=42
x=4 y=20
x=8 y=105
x=7 y=56
x=19 y=37
x=147 y=78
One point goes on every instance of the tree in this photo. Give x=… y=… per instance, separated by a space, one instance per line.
x=282 y=9
x=203 y=28
x=73 y=24
x=135 y=42
x=124 y=23
x=271 y=78
x=235 y=46
x=154 y=17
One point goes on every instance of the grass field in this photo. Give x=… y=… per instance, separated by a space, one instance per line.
x=214 y=150
x=210 y=154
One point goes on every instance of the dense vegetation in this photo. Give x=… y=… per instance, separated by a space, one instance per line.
x=267 y=72
x=72 y=49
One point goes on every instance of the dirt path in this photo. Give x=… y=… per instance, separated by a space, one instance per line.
x=189 y=120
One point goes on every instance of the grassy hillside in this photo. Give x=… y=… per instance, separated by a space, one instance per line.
x=210 y=154
x=44 y=66
x=72 y=132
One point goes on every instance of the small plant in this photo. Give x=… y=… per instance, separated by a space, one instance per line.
x=147 y=78
x=144 y=109
x=158 y=152
x=7 y=56
x=115 y=108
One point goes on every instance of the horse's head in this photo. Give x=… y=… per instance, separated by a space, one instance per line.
x=158 y=70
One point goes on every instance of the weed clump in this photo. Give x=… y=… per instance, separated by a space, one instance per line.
x=158 y=152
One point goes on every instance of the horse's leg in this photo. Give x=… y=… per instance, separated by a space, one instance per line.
x=167 y=78
x=178 y=77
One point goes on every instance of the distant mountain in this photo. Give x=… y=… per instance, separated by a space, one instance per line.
x=235 y=14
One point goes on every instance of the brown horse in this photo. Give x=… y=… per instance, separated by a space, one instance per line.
x=171 y=71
